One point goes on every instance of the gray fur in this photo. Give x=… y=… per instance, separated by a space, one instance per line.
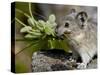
x=82 y=35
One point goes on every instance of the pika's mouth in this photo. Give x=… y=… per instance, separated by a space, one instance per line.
x=67 y=32
x=64 y=35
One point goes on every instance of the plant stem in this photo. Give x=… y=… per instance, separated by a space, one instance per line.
x=25 y=48
x=20 y=21
x=51 y=45
x=18 y=10
x=29 y=45
x=30 y=11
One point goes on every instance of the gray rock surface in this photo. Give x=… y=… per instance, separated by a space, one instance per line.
x=56 y=60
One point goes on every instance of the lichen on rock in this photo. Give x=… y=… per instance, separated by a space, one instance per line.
x=56 y=60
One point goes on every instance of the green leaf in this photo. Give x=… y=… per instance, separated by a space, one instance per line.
x=41 y=22
x=51 y=22
x=35 y=33
x=36 y=30
x=48 y=31
x=25 y=29
x=31 y=22
x=30 y=36
x=41 y=25
x=52 y=18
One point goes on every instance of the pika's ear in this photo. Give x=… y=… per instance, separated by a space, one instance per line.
x=82 y=18
x=73 y=11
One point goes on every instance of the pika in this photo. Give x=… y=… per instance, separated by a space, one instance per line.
x=81 y=33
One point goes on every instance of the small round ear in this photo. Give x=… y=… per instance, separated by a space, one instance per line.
x=73 y=11
x=82 y=18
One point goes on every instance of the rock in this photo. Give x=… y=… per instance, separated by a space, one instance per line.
x=55 y=60
x=92 y=64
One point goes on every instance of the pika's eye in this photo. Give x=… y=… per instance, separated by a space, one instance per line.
x=66 y=24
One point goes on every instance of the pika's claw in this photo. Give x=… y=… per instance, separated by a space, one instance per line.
x=81 y=66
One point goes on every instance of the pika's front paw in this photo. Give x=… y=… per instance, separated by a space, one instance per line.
x=81 y=66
